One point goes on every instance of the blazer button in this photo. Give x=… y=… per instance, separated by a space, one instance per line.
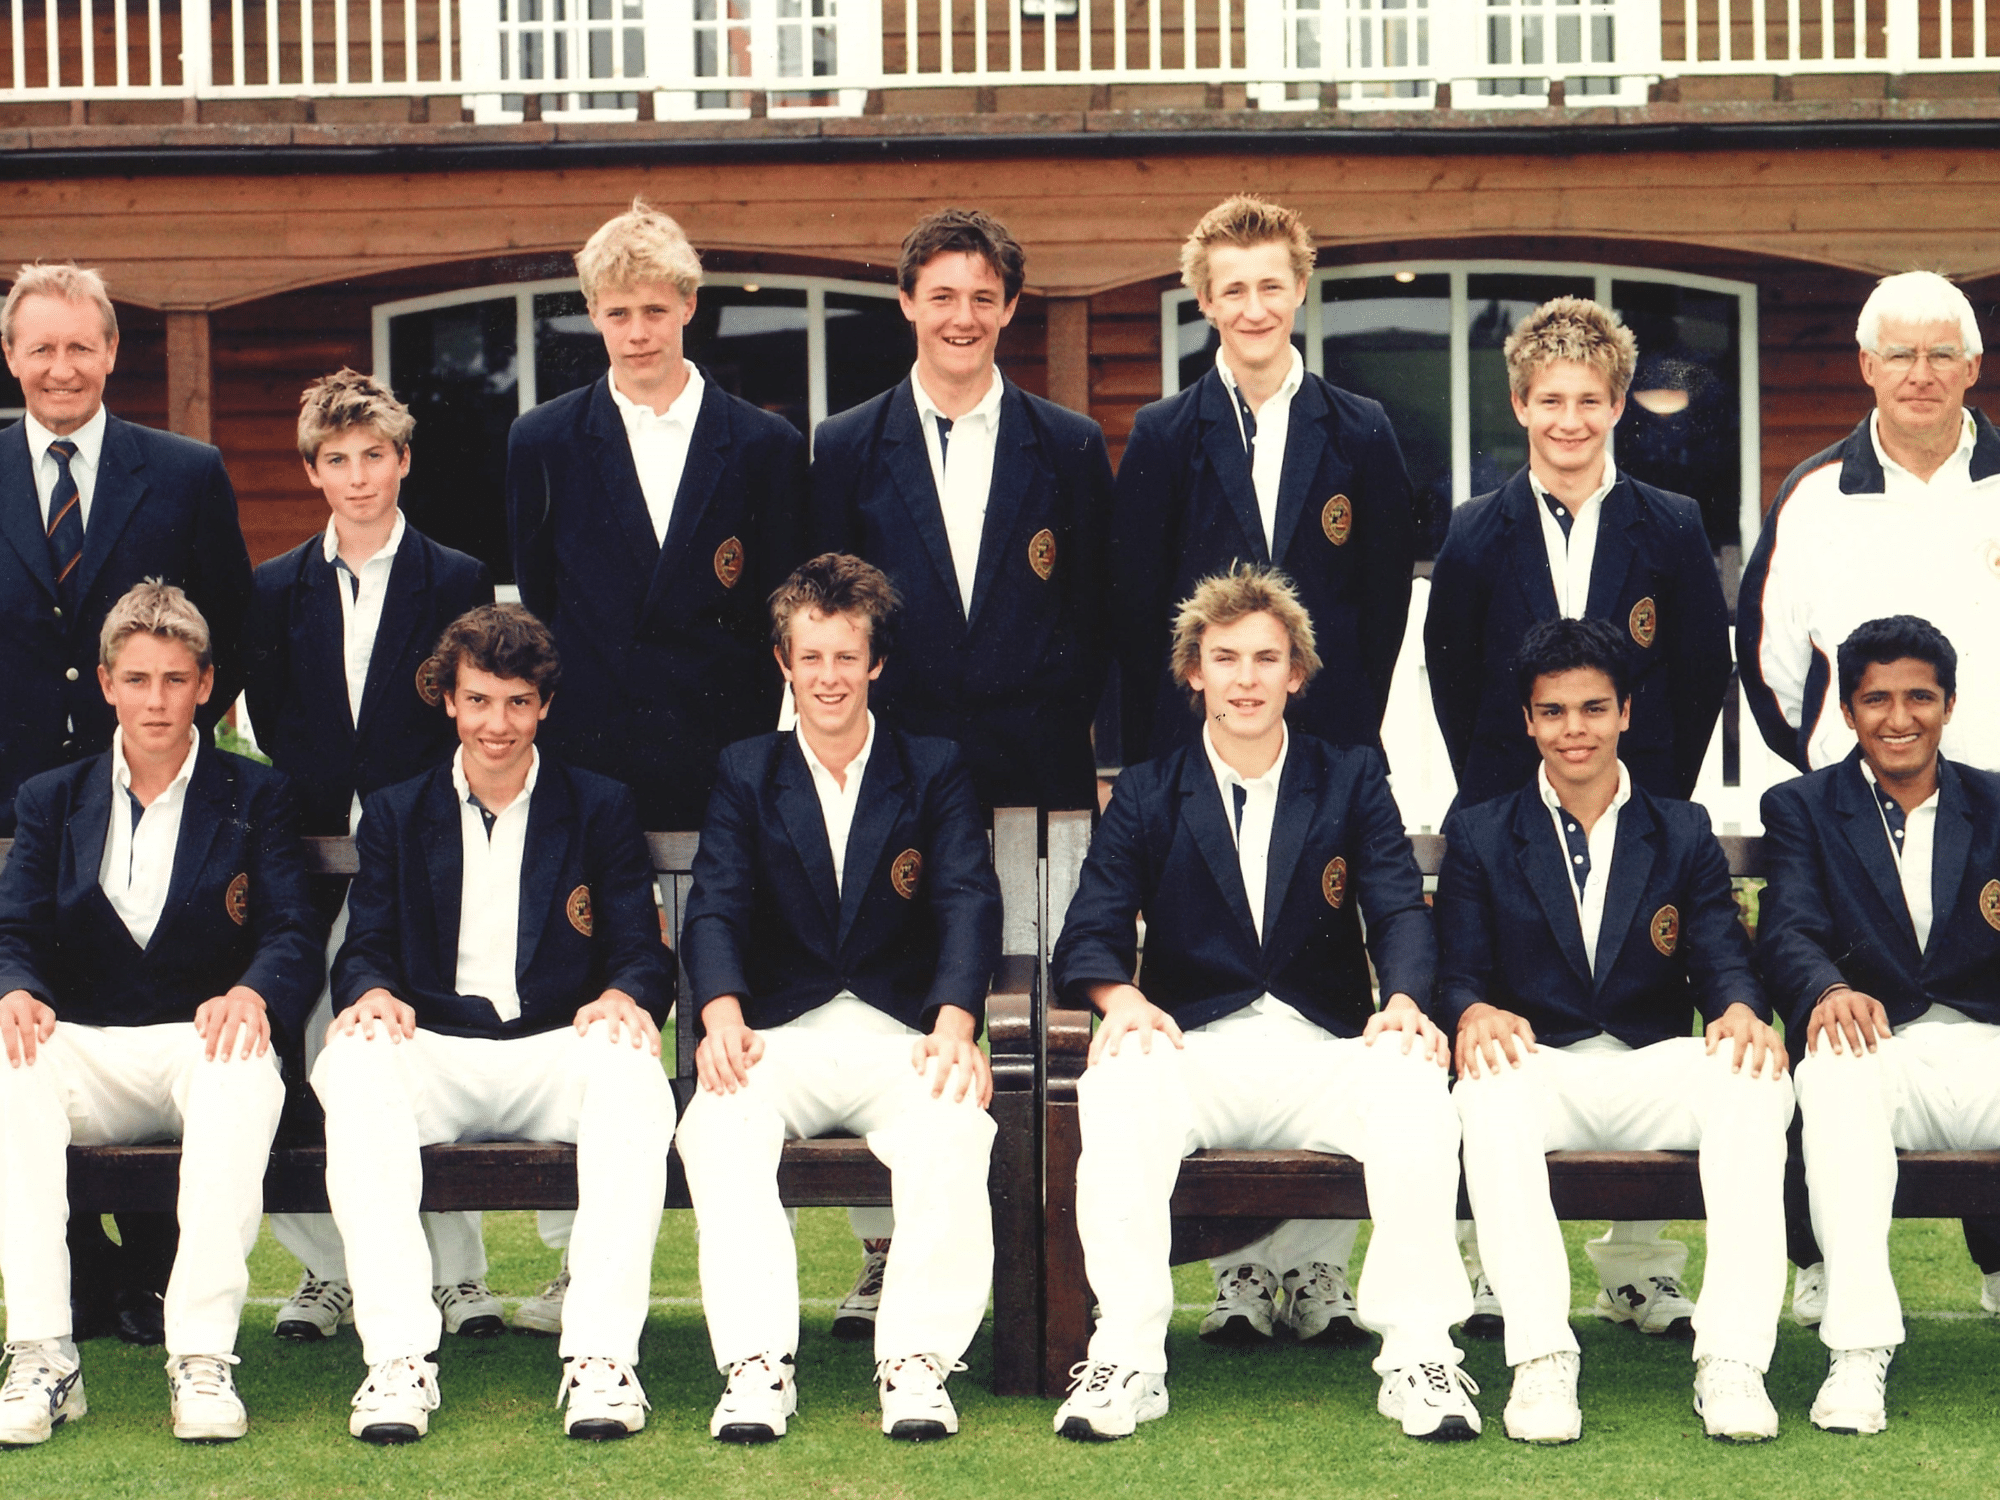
x=69 y=747
x=58 y=611
x=70 y=675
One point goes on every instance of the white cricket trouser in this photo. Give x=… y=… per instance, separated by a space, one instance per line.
x=384 y=1100
x=135 y=1085
x=1671 y=1096
x=810 y=1081
x=1294 y=1244
x=1930 y=1087
x=1277 y=1084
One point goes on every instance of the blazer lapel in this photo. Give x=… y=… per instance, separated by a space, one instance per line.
x=1305 y=442
x=1548 y=877
x=202 y=811
x=1222 y=442
x=880 y=805
x=619 y=477
x=121 y=485
x=402 y=608
x=89 y=827
x=1014 y=466
x=1951 y=845
x=1531 y=553
x=1617 y=523
x=551 y=821
x=798 y=806
x=1298 y=791
x=444 y=855
x=21 y=508
x=1856 y=802
x=1632 y=856
x=319 y=640
x=909 y=464
x=1201 y=810
x=707 y=462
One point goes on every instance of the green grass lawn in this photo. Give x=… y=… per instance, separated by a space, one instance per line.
x=1275 y=1421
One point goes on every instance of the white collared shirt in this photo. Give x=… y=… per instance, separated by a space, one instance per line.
x=138 y=863
x=489 y=894
x=659 y=443
x=83 y=464
x=361 y=610
x=1953 y=476
x=962 y=469
x=837 y=802
x=1570 y=557
x=1267 y=455
x=1602 y=841
x=1911 y=854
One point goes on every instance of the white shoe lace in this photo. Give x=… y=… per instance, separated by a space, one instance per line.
x=600 y=1378
x=1441 y=1383
x=32 y=1369
x=1666 y=1288
x=314 y=1293
x=1247 y=1281
x=1092 y=1377
x=204 y=1376
x=1731 y=1380
x=778 y=1369
x=904 y=1364
x=1859 y=1374
x=394 y=1380
x=1545 y=1378
x=466 y=1291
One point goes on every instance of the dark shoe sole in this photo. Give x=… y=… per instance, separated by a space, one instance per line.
x=389 y=1434
x=1237 y=1333
x=853 y=1328
x=601 y=1430
x=1450 y=1430
x=486 y=1327
x=746 y=1432
x=1340 y=1333
x=298 y=1331
x=919 y=1430
x=1486 y=1326
x=1079 y=1430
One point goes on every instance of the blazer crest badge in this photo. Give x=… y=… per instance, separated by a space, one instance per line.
x=428 y=688
x=1989 y=903
x=1336 y=519
x=729 y=562
x=1042 y=553
x=577 y=909
x=236 y=900
x=1644 y=622
x=1333 y=882
x=1665 y=930
x=905 y=871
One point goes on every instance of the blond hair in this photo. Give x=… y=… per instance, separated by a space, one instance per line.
x=640 y=245
x=1571 y=330
x=66 y=282
x=1243 y=221
x=836 y=583
x=344 y=401
x=154 y=607
x=1223 y=599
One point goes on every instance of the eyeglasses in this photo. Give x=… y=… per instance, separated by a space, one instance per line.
x=1945 y=359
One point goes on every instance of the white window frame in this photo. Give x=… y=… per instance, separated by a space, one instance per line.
x=523 y=294
x=1750 y=513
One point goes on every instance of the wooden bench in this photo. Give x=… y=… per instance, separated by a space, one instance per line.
x=1225 y=1199
x=830 y=1172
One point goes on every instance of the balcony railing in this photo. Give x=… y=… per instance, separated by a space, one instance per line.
x=696 y=56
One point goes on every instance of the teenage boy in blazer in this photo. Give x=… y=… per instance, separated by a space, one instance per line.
x=1580 y=921
x=1879 y=935
x=652 y=513
x=157 y=885
x=1262 y=462
x=1253 y=857
x=989 y=509
x=503 y=978
x=344 y=699
x=841 y=936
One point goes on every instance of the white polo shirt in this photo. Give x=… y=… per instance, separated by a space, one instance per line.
x=659 y=442
x=837 y=802
x=1600 y=842
x=1267 y=452
x=489 y=901
x=138 y=863
x=1571 y=557
x=962 y=468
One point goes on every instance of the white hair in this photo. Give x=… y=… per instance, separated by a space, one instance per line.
x=1918 y=297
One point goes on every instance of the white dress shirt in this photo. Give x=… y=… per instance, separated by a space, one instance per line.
x=1602 y=840
x=962 y=469
x=1267 y=454
x=1954 y=476
x=138 y=863
x=660 y=446
x=83 y=464
x=1911 y=853
x=361 y=594
x=1570 y=556
x=489 y=898
x=837 y=802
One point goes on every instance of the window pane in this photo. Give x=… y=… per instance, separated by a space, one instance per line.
x=1391 y=340
x=753 y=345
x=569 y=351
x=868 y=348
x=1684 y=415
x=455 y=368
x=1495 y=303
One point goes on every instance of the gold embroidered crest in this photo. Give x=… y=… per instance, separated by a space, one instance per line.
x=1336 y=519
x=427 y=682
x=904 y=872
x=729 y=562
x=1666 y=930
x=1644 y=620
x=236 y=900
x=1989 y=903
x=578 y=909
x=1042 y=553
x=1333 y=882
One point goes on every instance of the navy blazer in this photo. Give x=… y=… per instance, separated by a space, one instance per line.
x=1346 y=534
x=1509 y=935
x=296 y=672
x=1338 y=854
x=588 y=922
x=1016 y=684
x=237 y=910
x=1653 y=577
x=1833 y=910
x=915 y=922
x=666 y=650
x=162 y=508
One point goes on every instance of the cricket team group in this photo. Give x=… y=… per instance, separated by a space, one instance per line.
x=927 y=609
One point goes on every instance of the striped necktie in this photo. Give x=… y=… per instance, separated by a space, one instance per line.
x=65 y=525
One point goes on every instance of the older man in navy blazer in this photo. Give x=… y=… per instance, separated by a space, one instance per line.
x=841 y=934
x=989 y=509
x=1253 y=859
x=1581 y=922
x=1261 y=461
x=1879 y=935
x=157 y=885
x=503 y=978
x=652 y=513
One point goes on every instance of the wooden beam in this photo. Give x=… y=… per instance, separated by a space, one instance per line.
x=1069 y=352
x=190 y=377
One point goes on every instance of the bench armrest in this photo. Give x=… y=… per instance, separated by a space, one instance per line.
x=1010 y=1023
x=1068 y=1050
